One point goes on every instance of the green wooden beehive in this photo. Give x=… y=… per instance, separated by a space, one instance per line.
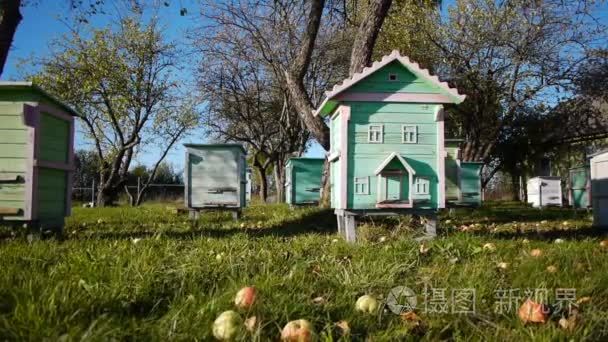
x=387 y=147
x=387 y=137
x=215 y=176
x=463 y=179
x=470 y=183
x=579 y=190
x=303 y=180
x=36 y=156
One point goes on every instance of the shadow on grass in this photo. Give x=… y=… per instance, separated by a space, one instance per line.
x=318 y=222
x=548 y=235
x=500 y=215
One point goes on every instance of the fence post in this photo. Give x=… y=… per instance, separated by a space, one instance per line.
x=93 y=193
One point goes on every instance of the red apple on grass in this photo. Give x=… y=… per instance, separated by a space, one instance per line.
x=227 y=325
x=245 y=297
x=299 y=330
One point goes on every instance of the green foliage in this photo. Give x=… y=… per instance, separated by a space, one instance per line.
x=133 y=273
x=408 y=28
x=122 y=80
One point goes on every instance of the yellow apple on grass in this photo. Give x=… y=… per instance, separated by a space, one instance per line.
x=367 y=303
x=227 y=325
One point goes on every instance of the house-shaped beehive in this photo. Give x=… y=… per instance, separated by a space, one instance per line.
x=215 y=177
x=387 y=141
x=36 y=156
x=303 y=180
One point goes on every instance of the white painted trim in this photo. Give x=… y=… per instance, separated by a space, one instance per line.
x=403 y=127
x=344 y=117
x=369 y=131
x=441 y=153
x=390 y=158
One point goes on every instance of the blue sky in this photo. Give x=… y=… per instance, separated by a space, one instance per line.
x=41 y=24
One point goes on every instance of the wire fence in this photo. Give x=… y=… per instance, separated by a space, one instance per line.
x=154 y=193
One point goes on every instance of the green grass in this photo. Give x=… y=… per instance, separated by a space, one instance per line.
x=150 y=274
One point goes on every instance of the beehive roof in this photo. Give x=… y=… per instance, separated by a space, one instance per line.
x=412 y=66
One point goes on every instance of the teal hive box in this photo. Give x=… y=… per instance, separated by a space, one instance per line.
x=303 y=180
x=36 y=156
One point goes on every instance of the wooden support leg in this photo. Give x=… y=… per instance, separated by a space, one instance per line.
x=350 y=228
x=236 y=214
x=430 y=225
x=340 y=220
x=194 y=214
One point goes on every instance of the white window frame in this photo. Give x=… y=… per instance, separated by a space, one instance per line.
x=392 y=74
x=424 y=181
x=369 y=134
x=404 y=131
x=361 y=185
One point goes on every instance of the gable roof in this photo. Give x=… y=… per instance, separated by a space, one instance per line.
x=413 y=67
x=216 y=146
x=390 y=158
x=29 y=86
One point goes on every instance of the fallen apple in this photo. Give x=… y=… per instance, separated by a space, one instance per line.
x=297 y=331
x=604 y=243
x=424 y=249
x=503 y=265
x=245 y=297
x=533 y=312
x=551 y=269
x=536 y=252
x=227 y=325
x=489 y=247
x=367 y=303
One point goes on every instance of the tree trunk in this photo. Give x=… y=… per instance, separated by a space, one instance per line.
x=325 y=200
x=361 y=55
x=363 y=47
x=11 y=16
x=315 y=124
x=294 y=77
x=263 y=183
x=515 y=186
x=106 y=196
x=279 y=179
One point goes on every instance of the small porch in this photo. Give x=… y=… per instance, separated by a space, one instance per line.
x=395 y=178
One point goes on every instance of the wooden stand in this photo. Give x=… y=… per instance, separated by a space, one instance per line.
x=195 y=213
x=347 y=222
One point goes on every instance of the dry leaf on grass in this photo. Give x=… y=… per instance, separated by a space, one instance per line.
x=344 y=327
x=250 y=323
x=532 y=312
x=502 y=265
x=319 y=300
